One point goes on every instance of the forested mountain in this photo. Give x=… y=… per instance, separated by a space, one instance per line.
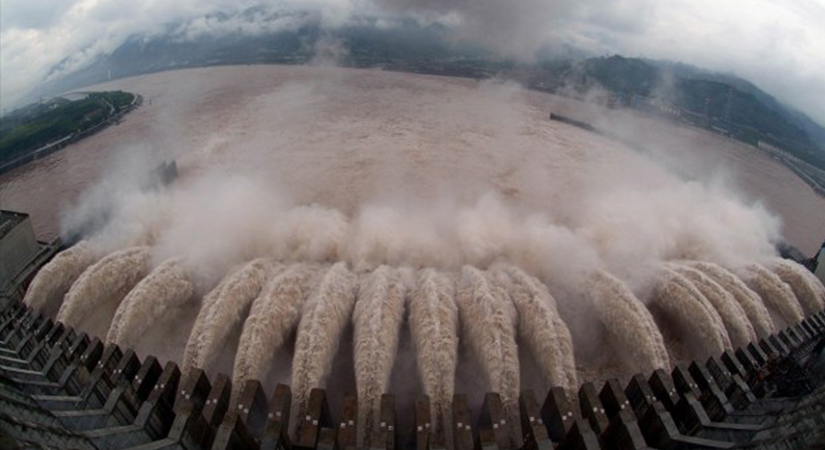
x=717 y=101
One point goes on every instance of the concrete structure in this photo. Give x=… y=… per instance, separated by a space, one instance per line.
x=62 y=389
x=17 y=244
x=20 y=253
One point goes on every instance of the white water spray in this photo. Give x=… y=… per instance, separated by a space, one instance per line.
x=805 y=285
x=434 y=329
x=775 y=293
x=273 y=316
x=51 y=283
x=749 y=300
x=540 y=327
x=627 y=321
x=111 y=278
x=377 y=318
x=736 y=322
x=165 y=288
x=682 y=304
x=222 y=310
x=488 y=323
x=325 y=316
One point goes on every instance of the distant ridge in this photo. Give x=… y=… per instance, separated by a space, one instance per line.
x=717 y=101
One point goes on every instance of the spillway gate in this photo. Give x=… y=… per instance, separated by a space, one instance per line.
x=60 y=388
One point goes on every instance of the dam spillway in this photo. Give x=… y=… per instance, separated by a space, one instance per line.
x=321 y=295
x=64 y=389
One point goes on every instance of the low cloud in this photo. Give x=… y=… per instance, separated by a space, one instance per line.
x=776 y=45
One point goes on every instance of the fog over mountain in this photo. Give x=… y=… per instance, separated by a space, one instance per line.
x=775 y=45
x=259 y=35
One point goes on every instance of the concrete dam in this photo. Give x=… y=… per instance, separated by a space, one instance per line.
x=409 y=276
x=60 y=388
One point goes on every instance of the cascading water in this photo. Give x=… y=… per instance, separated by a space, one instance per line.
x=54 y=280
x=753 y=306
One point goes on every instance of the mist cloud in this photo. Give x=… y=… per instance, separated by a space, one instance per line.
x=777 y=45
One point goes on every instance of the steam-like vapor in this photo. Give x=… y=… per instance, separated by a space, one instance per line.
x=273 y=316
x=481 y=255
x=221 y=310
x=805 y=285
x=683 y=305
x=488 y=323
x=749 y=300
x=540 y=327
x=733 y=315
x=776 y=294
x=629 y=324
x=51 y=283
x=434 y=328
x=165 y=288
x=377 y=317
x=111 y=278
x=325 y=316
x=485 y=21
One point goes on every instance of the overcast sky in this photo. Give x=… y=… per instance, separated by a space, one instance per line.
x=778 y=45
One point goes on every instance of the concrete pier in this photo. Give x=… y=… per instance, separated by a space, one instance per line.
x=60 y=388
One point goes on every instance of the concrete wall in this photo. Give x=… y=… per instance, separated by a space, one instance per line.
x=17 y=248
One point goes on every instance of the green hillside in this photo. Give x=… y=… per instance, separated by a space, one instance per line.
x=723 y=103
x=40 y=124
